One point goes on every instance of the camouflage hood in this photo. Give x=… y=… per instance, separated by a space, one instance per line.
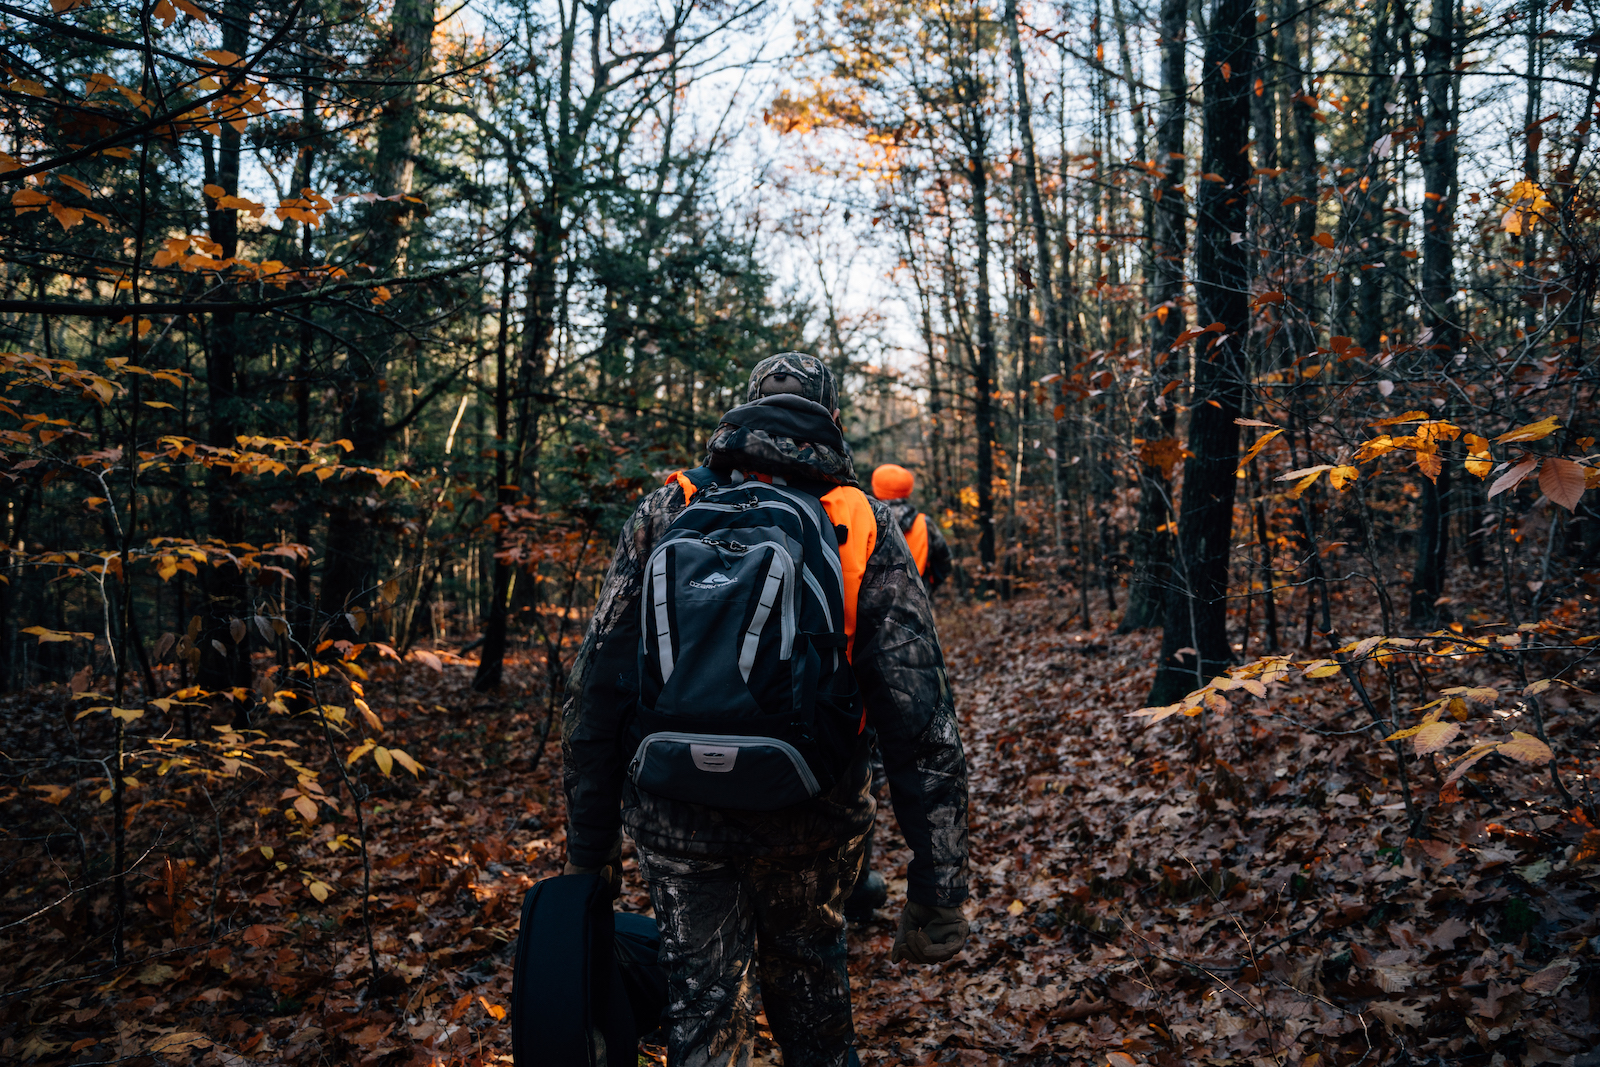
x=783 y=434
x=904 y=512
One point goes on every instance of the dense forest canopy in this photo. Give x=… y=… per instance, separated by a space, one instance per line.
x=337 y=334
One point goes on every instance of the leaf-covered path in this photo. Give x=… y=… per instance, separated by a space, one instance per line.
x=1240 y=890
x=1229 y=889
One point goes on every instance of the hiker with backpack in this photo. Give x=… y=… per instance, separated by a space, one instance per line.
x=892 y=484
x=761 y=623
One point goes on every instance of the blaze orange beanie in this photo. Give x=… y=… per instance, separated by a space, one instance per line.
x=892 y=482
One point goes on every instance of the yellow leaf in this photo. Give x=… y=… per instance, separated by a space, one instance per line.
x=359 y=751
x=1255 y=449
x=53 y=794
x=407 y=762
x=1307 y=476
x=368 y=714
x=1395 y=420
x=1480 y=694
x=222 y=56
x=1534 y=431
x=1322 y=669
x=1479 y=464
x=1374 y=448
x=47 y=637
x=1528 y=203
x=495 y=1010
x=1016 y=907
x=384 y=759
x=1157 y=714
x=127 y=714
x=320 y=890
x=1433 y=736
x=1342 y=476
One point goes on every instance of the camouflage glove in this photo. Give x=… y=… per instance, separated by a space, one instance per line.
x=929 y=934
x=610 y=870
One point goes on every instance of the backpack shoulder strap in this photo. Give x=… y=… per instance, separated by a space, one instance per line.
x=692 y=481
x=849 y=508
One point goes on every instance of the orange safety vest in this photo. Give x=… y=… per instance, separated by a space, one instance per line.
x=917 y=541
x=849 y=508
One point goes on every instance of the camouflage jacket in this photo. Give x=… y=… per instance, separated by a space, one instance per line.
x=899 y=668
x=939 y=564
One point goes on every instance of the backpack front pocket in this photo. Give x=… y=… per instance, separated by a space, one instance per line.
x=734 y=771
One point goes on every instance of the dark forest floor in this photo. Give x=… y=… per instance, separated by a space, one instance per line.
x=1236 y=890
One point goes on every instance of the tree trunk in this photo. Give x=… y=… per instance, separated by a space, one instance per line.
x=1196 y=622
x=984 y=365
x=224 y=663
x=1438 y=290
x=1375 y=191
x=351 y=566
x=1044 y=262
x=1305 y=124
x=492 y=659
x=1152 y=540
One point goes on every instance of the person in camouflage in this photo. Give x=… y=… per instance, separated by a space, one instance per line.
x=734 y=887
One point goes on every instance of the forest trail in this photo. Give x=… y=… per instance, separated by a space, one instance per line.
x=1227 y=890
x=1243 y=891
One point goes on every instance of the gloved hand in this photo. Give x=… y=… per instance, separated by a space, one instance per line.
x=610 y=870
x=929 y=934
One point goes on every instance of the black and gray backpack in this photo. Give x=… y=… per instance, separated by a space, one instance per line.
x=747 y=700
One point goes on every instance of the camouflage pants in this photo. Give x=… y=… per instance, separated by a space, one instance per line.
x=717 y=915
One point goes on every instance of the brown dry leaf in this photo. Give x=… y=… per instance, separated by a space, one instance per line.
x=1513 y=477
x=1553 y=978
x=1164 y=454
x=1525 y=748
x=185 y=1039
x=1396 y=1015
x=1562 y=481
